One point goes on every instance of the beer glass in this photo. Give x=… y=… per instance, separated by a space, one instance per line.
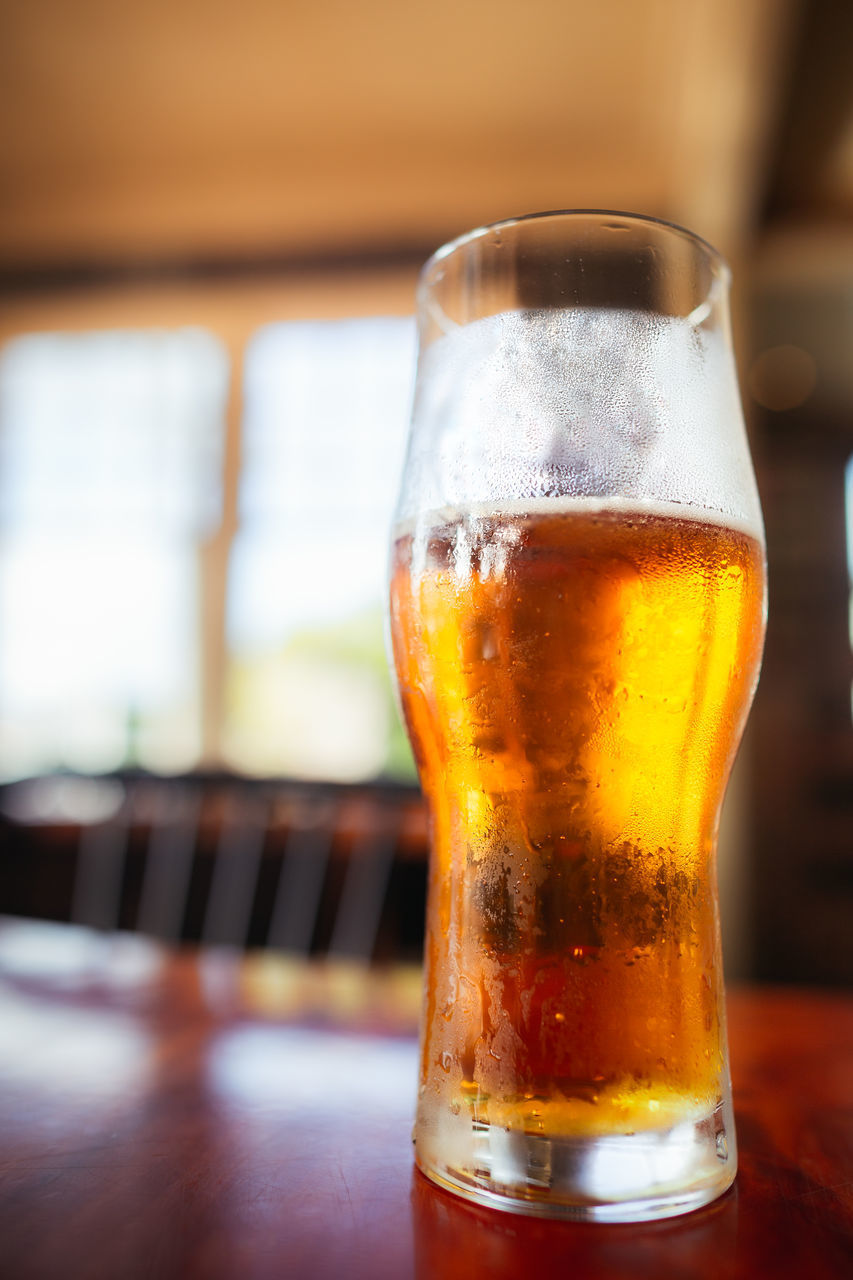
x=577 y=619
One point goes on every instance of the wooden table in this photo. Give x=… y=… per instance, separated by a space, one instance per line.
x=191 y=1115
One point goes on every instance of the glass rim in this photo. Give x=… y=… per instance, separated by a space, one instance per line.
x=468 y=237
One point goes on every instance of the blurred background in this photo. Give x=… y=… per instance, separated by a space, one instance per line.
x=211 y=223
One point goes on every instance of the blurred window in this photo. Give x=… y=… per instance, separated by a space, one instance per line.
x=111 y=449
x=326 y=408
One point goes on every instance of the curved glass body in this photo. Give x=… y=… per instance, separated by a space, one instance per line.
x=577 y=617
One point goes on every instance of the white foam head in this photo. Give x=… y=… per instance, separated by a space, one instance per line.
x=582 y=403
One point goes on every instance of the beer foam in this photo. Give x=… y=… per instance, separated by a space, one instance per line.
x=519 y=508
x=610 y=407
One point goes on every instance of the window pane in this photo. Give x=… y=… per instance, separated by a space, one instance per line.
x=110 y=459
x=326 y=416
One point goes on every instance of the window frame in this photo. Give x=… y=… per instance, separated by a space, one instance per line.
x=232 y=307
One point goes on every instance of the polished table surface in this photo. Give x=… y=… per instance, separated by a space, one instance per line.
x=181 y=1114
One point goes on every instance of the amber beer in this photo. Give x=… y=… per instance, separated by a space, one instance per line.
x=575 y=678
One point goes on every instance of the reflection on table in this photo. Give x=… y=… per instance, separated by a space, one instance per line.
x=184 y=1113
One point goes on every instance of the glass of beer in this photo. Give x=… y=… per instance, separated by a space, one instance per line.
x=577 y=616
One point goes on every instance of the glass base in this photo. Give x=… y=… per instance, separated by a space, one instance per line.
x=627 y=1177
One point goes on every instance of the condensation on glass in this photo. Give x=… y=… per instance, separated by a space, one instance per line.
x=577 y=611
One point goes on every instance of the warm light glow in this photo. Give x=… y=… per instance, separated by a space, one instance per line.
x=783 y=377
